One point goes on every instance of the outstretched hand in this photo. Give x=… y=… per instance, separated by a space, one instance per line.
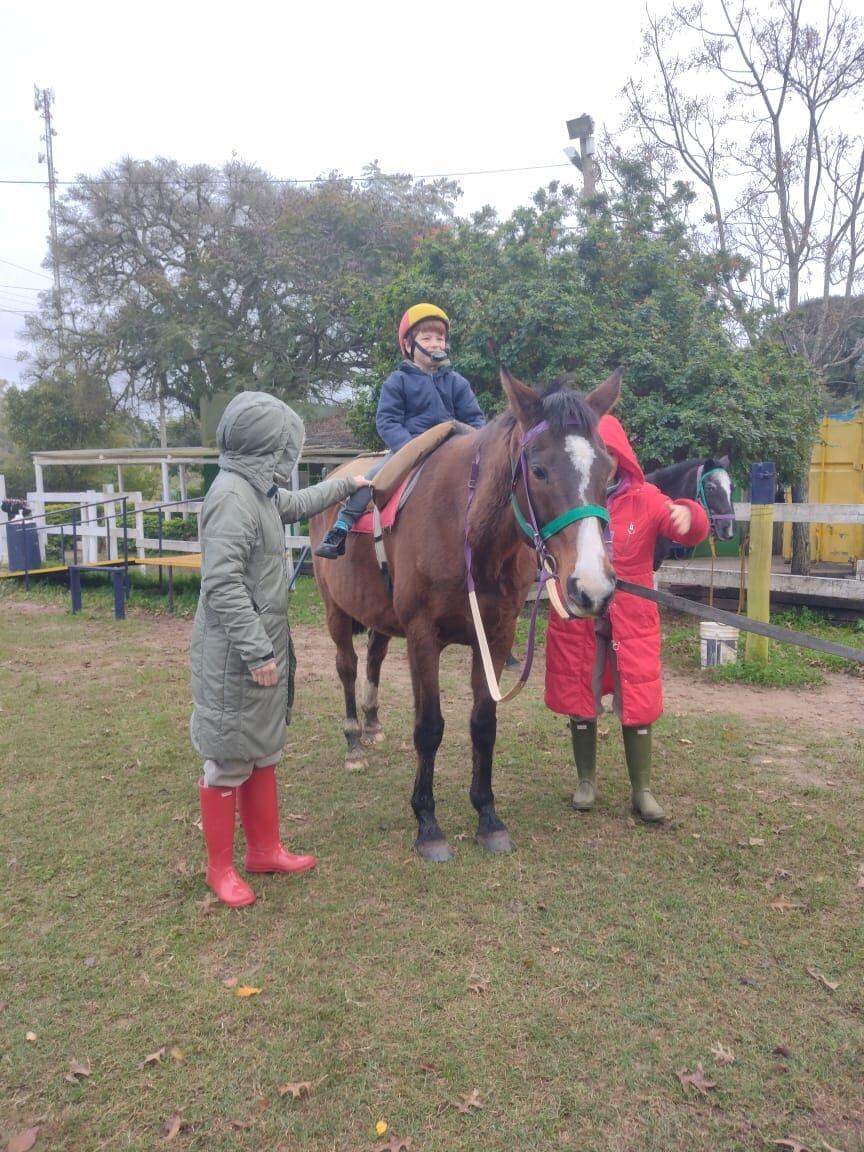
x=681 y=518
x=360 y=482
x=267 y=676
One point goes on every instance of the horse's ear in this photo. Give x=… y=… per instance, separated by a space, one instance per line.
x=604 y=398
x=723 y=461
x=524 y=402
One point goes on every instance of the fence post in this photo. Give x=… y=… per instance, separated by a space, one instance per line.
x=763 y=485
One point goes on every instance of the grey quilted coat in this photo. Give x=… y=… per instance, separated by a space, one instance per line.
x=242 y=617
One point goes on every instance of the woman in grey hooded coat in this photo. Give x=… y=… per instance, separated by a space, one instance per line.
x=242 y=656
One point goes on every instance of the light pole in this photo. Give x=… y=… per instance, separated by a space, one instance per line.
x=582 y=129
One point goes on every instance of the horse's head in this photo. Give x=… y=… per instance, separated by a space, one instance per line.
x=715 y=495
x=560 y=474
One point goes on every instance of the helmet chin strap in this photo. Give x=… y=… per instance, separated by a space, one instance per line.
x=440 y=359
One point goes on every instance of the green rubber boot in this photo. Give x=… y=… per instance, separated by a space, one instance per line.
x=584 y=736
x=637 y=750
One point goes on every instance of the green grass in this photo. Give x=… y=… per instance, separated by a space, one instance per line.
x=568 y=983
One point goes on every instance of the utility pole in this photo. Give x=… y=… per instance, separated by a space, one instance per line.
x=43 y=98
x=582 y=129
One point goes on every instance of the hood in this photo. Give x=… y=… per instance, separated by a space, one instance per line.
x=615 y=439
x=258 y=437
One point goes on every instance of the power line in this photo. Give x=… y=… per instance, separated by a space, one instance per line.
x=290 y=180
x=21 y=268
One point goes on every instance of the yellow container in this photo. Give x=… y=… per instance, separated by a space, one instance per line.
x=836 y=477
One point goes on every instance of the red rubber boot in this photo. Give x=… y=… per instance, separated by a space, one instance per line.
x=259 y=812
x=218 y=806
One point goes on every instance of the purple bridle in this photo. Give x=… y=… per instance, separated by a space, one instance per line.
x=546 y=567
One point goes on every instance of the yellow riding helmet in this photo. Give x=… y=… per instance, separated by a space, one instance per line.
x=414 y=315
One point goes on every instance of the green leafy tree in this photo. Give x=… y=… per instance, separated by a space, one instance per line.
x=184 y=281
x=567 y=289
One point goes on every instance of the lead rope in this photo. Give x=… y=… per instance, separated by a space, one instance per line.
x=482 y=642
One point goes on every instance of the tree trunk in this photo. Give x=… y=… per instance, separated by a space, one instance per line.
x=800 y=532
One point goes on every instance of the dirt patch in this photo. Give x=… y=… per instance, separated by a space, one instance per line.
x=836 y=706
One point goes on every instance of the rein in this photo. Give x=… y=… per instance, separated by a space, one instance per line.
x=546 y=566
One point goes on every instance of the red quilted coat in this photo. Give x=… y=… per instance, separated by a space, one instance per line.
x=638 y=513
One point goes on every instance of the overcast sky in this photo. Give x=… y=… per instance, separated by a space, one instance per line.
x=299 y=88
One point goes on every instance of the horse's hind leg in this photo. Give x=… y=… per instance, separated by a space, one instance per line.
x=341 y=628
x=424 y=656
x=375 y=653
x=492 y=833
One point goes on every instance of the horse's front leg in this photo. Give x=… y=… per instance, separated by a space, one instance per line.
x=424 y=656
x=375 y=653
x=492 y=833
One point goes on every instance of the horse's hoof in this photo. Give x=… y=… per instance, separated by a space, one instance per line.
x=372 y=737
x=496 y=841
x=435 y=851
x=355 y=760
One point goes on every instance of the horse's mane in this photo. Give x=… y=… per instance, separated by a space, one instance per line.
x=563 y=410
x=661 y=476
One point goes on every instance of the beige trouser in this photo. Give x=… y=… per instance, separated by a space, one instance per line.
x=233 y=773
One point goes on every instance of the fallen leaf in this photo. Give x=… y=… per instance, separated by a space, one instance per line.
x=781 y=904
x=820 y=979
x=176 y=1054
x=695 y=1079
x=684 y=740
x=209 y=904
x=381 y=1127
x=297 y=1091
x=723 y=1056
x=478 y=985
x=239 y=1125
x=30 y=1037
x=230 y=982
x=76 y=1068
x=782 y=1050
x=469 y=1100
x=430 y=1068
x=153 y=1058
x=24 y=1140
x=171 y=1127
x=793 y=1144
x=754 y=842
x=246 y=990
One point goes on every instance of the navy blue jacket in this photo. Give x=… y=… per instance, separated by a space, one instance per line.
x=412 y=401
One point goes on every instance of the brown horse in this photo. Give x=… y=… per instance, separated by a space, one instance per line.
x=531 y=487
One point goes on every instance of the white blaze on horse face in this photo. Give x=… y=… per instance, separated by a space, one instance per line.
x=725 y=483
x=592 y=573
x=582 y=456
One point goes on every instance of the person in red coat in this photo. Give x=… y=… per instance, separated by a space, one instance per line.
x=620 y=653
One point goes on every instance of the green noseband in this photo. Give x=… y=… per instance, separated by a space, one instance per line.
x=569 y=517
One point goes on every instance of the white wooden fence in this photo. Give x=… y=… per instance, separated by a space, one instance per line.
x=95 y=520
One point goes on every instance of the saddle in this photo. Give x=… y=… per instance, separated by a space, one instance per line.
x=392 y=484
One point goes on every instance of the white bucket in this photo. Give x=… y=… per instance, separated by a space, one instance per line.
x=718 y=644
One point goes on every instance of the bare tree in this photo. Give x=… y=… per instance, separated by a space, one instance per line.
x=755 y=106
